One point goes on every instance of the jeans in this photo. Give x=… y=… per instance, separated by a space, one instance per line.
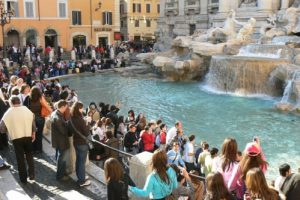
x=61 y=163
x=81 y=154
x=38 y=143
x=24 y=146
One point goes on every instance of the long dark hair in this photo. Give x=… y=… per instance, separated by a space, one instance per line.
x=160 y=165
x=216 y=188
x=75 y=109
x=113 y=170
x=229 y=152
x=35 y=94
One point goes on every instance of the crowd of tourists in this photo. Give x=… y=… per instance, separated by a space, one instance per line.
x=28 y=108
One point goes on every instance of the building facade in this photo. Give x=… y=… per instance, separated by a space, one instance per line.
x=64 y=23
x=183 y=17
x=139 y=19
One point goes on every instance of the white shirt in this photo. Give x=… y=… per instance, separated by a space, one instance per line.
x=188 y=148
x=278 y=182
x=171 y=134
x=98 y=131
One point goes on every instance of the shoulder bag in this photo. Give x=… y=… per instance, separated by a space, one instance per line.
x=87 y=139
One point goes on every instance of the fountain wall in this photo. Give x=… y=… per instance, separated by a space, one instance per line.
x=244 y=75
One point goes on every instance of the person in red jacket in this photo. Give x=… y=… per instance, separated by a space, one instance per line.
x=148 y=138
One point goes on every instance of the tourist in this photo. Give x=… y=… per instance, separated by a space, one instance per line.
x=172 y=132
x=209 y=160
x=161 y=181
x=174 y=156
x=3 y=108
x=162 y=137
x=93 y=110
x=112 y=114
x=18 y=122
x=285 y=171
x=117 y=180
x=141 y=123
x=148 y=139
x=24 y=94
x=59 y=138
x=109 y=126
x=202 y=158
x=227 y=161
x=291 y=186
x=121 y=128
x=216 y=188
x=112 y=142
x=189 y=153
x=183 y=177
x=253 y=157
x=98 y=134
x=257 y=187
x=80 y=131
x=131 y=141
x=36 y=103
x=131 y=118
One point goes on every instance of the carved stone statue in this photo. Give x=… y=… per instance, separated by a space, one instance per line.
x=245 y=33
x=248 y=3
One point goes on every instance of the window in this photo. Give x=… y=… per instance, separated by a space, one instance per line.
x=192 y=28
x=62 y=9
x=107 y=18
x=76 y=17
x=13 y=5
x=122 y=23
x=29 y=9
x=158 y=8
x=136 y=7
x=148 y=8
x=148 y=23
x=137 y=23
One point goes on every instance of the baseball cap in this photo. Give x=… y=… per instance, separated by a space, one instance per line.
x=252 y=149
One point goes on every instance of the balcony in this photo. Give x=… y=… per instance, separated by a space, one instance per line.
x=192 y=7
x=171 y=7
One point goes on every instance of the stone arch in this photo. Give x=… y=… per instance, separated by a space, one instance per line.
x=31 y=36
x=12 y=37
x=51 y=37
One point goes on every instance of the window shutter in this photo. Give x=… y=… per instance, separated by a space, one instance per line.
x=73 y=17
x=79 y=18
x=133 y=7
x=139 y=8
x=103 y=18
x=29 y=9
x=62 y=10
x=110 y=18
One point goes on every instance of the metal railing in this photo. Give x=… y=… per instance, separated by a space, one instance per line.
x=131 y=155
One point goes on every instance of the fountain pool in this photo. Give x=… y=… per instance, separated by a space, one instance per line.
x=209 y=116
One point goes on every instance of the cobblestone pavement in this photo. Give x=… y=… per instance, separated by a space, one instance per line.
x=45 y=185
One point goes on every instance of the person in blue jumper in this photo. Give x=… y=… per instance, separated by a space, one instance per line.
x=174 y=156
x=161 y=181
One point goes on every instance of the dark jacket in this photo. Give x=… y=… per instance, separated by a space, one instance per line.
x=112 y=142
x=80 y=126
x=59 y=131
x=291 y=187
x=129 y=139
x=118 y=190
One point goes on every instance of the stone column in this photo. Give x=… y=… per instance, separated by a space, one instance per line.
x=140 y=168
x=265 y=5
x=162 y=8
x=203 y=7
x=181 y=7
x=224 y=5
x=284 y=4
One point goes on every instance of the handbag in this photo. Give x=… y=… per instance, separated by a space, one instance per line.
x=45 y=111
x=88 y=139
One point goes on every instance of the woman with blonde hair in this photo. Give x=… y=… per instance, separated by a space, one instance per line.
x=117 y=180
x=161 y=181
x=257 y=187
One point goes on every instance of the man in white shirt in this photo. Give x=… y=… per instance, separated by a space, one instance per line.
x=19 y=122
x=189 y=153
x=24 y=93
x=284 y=170
x=173 y=132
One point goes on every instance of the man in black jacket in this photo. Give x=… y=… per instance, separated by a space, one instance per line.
x=291 y=187
x=130 y=140
x=60 y=138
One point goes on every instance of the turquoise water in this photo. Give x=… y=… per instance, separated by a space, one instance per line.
x=209 y=116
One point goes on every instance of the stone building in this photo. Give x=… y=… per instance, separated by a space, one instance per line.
x=183 y=17
x=64 y=23
x=139 y=19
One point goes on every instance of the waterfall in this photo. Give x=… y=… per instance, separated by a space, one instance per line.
x=288 y=89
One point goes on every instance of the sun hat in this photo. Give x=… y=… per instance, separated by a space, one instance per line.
x=252 y=149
